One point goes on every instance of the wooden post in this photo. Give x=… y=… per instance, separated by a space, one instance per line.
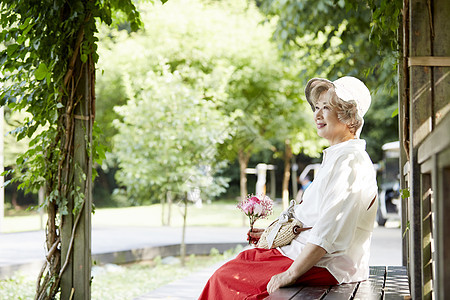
x=420 y=126
x=75 y=281
x=286 y=174
x=294 y=168
x=403 y=125
x=273 y=185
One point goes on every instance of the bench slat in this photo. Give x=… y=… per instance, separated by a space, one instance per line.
x=312 y=292
x=383 y=283
x=372 y=289
x=342 y=292
x=397 y=285
x=285 y=293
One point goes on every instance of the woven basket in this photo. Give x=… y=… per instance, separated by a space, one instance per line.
x=285 y=235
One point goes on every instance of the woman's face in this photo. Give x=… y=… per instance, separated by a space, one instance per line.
x=327 y=122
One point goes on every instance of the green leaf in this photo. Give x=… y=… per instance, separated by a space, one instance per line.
x=394 y=113
x=41 y=71
x=11 y=49
x=404 y=193
x=5 y=173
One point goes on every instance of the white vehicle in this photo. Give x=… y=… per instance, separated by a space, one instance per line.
x=389 y=202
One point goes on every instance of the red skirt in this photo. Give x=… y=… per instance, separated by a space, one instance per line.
x=247 y=276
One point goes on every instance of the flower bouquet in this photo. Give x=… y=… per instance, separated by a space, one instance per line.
x=256 y=207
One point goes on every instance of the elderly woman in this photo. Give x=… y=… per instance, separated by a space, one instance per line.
x=339 y=205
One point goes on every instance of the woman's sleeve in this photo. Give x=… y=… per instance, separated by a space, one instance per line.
x=341 y=204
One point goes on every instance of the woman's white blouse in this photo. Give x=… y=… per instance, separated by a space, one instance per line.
x=336 y=206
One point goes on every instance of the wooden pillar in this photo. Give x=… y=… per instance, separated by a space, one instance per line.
x=402 y=125
x=441 y=176
x=443 y=193
x=434 y=157
x=75 y=281
x=420 y=126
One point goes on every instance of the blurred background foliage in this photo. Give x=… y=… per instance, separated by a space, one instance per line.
x=203 y=81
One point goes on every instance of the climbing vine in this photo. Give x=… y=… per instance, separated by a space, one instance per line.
x=48 y=58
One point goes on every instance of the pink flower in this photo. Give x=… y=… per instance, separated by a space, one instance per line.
x=247 y=208
x=256 y=207
x=255 y=200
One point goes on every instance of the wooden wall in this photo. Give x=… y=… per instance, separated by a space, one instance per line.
x=424 y=106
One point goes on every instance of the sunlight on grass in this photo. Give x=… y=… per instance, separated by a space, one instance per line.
x=214 y=214
x=223 y=214
x=20 y=286
x=122 y=281
x=30 y=222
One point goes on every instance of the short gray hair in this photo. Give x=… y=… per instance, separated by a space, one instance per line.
x=347 y=112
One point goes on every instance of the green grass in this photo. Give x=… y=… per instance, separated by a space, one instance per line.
x=220 y=214
x=140 y=278
x=121 y=282
x=18 y=287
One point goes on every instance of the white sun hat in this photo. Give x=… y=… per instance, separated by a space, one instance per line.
x=347 y=88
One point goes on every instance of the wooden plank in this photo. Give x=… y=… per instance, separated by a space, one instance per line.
x=82 y=244
x=441 y=170
x=396 y=285
x=441 y=187
x=312 y=292
x=420 y=77
x=427 y=269
x=372 y=288
x=66 y=232
x=285 y=293
x=421 y=122
x=429 y=61
x=342 y=292
x=437 y=141
x=441 y=47
x=75 y=281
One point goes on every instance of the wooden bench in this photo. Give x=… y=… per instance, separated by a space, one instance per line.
x=383 y=283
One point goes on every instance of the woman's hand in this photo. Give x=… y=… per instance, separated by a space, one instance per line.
x=280 y=280
x=309 y=256
x=254 y=235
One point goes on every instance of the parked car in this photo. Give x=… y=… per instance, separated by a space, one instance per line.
x=389 y=202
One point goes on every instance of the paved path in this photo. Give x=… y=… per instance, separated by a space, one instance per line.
x=386 y=250
x=28 y=248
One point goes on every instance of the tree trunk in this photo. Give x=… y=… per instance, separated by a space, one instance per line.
x=183 y=236
x=163 y=215
x=287 y=173
x=243 y=163
x=169 y=208
x=166 y=209
x=14 y=199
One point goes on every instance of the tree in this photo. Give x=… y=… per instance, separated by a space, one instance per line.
x=359 y=37
x=222 y=49
x=167 y=141
x=47 y=65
